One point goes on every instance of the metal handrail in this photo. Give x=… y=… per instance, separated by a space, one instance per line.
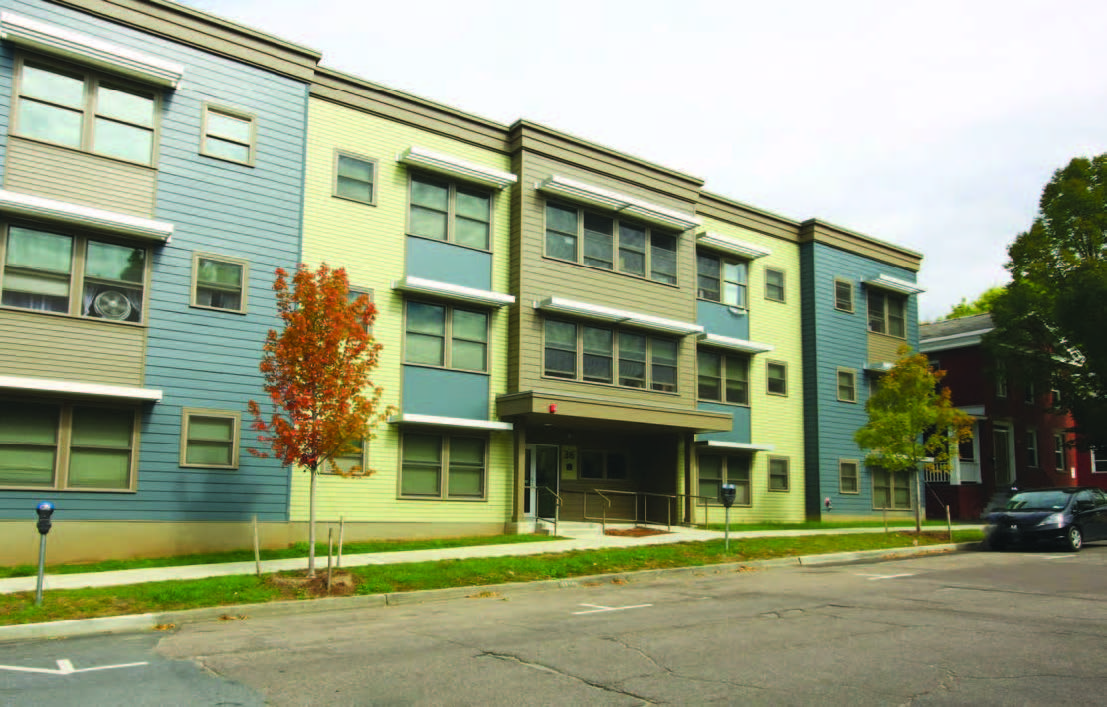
x=603 y=518
x=557 y=505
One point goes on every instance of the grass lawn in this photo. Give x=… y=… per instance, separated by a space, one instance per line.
x=295 y=550
x=377 y=579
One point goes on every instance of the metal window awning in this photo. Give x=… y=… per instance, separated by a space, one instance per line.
x=407 y=418
x=456 y=167
x=736 y=446
x=84 y=49
x=887 y=282
x=605 y=198
x=54 y=211
x=560 y=305
x=731 y=344
x=450 y=291
x=733 y=246
x=98 y=390
x=879 y=366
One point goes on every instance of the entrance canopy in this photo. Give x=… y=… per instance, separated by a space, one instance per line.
x=559 y=409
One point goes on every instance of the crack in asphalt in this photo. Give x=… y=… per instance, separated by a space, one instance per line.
x=550 y=669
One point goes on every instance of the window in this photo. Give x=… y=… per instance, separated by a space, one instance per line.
x=1031 y=449
x=774 y=284
x=598 y=464
x=354 y=292
x=51 y=272
x=848 y=476
x=847 y=386
x=447 y=336
x=1059 y=463
x=718 y=469
x=887 y=313
x=1099 y=462
x=78 y=109
x=843 y=295
x=721 y=279
x=442 y=466
x=609 y=243
x=1028 y=393
x=778 y=474
x=354 y=178
x=776 y=378
x=228 y=135
x=1055 y=398
x=1001 y=381
x=445 y=211
x=219 y=282
x=724 y=378
x=603 y=355
x=966 y=450
x=891 y=490
x=66 y=446
x=349 y=461
x=209 y=438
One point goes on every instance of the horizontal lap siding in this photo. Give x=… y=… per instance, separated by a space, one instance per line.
x=369 y=241
x=842 y=342
x=69 y=348
x=775 y=421
x=202 y=358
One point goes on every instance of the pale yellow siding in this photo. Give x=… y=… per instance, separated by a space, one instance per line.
x=369 y=242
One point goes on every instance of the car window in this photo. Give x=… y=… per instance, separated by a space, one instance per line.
x=1038 y=501
x=1085 y=500
x=1100 y=497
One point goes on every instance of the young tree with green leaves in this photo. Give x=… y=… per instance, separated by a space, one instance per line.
x=316 y=371
x=981 y=305
x=1051 y=323
x=911 y=421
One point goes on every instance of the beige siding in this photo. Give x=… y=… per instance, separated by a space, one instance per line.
x=79 y=178
x=68 y=348
x=542 y=277
x=884 y=348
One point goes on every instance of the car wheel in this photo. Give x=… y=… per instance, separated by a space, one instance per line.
x=1074 y=538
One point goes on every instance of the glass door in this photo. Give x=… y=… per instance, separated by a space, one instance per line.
x=541 y=481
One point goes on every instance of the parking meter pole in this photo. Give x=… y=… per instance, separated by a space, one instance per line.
x=41 y=569
x=726 y=531
x=727 y=494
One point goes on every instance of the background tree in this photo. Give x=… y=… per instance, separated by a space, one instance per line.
x=911 y=421
x=981 y=305
x=316 y=371
x=1051 y=323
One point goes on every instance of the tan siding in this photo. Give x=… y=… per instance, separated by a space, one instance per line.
x=67 y=348
x=884 y=348
x=79 y=178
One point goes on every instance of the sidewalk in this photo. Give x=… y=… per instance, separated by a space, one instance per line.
x=592 y=542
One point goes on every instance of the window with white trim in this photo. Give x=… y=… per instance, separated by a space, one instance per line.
x=1059 y=453
x=445 y=335
x=209 y=438
x=228 y=134
x=79 y=109
x=442 y=466
x=1099 y=461
x=887 y=313
x=67 y=446
x=609 y=243
x=718 y=469
x=444 y=210
x=219 y=282
x=596 y=354
x=722 y=279
x=723 y=378
x=48 y=271
x=1001 y=381
x=1031 y=437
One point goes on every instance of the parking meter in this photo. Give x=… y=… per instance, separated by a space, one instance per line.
x=727 y=493
x=44 y=510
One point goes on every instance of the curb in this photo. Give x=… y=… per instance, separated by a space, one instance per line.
x=171 y=619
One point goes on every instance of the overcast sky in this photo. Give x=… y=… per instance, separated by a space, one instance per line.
x=932 y=125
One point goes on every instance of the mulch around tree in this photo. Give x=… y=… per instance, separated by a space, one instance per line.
x=635 y=532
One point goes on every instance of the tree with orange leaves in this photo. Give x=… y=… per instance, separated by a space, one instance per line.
x=911 y=421
x=316 y=372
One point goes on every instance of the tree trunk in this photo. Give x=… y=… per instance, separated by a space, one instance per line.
x=918 y=500
x=311 y=526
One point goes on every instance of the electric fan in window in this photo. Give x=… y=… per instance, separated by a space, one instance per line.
x=112 y=304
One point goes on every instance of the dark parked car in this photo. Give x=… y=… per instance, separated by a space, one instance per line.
x=1067 y=515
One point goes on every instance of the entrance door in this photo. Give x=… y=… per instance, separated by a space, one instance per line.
x=1001 y=441
x=542 y=481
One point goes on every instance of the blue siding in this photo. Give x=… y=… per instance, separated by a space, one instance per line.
x=740 y=426
x=832 y=340
x=450 y=263
x=723 y=320
x=433 y=391
x=202 y=358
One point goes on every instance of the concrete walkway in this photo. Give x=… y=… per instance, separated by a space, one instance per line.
x=588 y=542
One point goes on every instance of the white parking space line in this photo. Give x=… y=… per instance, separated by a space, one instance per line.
x=1059 y=557
x=885 y=576
x=596 y=608
x=65 y=667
